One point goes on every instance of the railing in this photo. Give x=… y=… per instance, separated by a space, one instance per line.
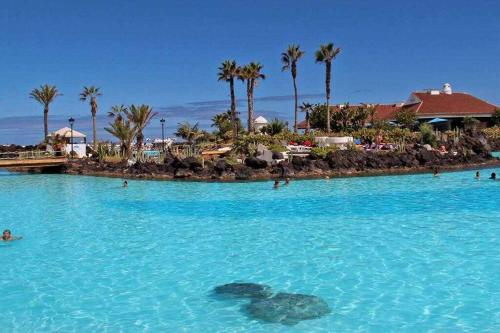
x=184 y=151
x=30 y=155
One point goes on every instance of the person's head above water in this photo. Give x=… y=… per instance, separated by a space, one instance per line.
x=493 y=175
x=6 y=234
x=125 y=183
x=478 y=174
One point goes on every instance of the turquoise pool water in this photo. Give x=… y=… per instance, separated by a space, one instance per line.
x=388 y=254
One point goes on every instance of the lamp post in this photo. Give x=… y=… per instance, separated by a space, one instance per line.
x=162 y=121
x=71 y=122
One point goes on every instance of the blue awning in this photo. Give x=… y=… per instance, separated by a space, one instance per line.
x=437 y=120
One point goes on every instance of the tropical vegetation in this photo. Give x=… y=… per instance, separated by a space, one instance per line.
x=45 y=95
x=251 y=73
x=228 y=72
x=289 y=59
x=90 y=94
x=326 y=54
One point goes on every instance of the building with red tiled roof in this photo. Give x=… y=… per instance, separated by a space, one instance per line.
x=430 y=104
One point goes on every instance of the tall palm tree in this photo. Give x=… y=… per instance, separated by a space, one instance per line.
x=228 y=71
x=251 y=73
x=140 y=116
x=307 y=108
x=91 y=93
x=45 y=95
x=289 y=60
x=123 y=130
x=326 y=54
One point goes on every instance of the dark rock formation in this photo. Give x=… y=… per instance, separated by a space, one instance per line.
x=242 y=172
x=255 y=163
x=464 y=152
x=244 y=290
x=288 y=309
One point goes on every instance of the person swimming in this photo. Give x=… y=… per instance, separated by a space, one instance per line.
x=125 y=184
x=493 y=176
x=436 y=172
x=7 y=236
x=287 y=180
x=478 y=175
x=276 y=184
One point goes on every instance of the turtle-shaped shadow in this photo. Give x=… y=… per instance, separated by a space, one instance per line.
x=287 y=309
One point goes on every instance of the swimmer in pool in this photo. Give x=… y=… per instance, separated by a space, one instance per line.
x=276 y=184
x=125 y=184
x=7 y=236
x=478 y=175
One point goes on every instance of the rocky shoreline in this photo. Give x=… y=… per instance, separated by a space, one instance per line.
x=469 y=153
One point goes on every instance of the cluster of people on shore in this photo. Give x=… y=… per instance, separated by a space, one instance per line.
x=379 y=143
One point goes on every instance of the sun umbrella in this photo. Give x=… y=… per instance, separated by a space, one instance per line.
x=437 y=120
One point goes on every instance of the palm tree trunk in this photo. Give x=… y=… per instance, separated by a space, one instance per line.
x=250 y=106
x=295 y=124
x=46 y=121
x=233 y=110
x=94 y=130
x=140 y=139
x=308 y=123
x=327 y=83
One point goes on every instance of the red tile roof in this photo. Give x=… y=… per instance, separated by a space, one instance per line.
x=453 y=105
x=427 y=105
x=386 y=111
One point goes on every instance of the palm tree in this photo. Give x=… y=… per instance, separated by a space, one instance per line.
x=123 y=130
x=45 y=95
x=275 y=126
x=188 y=132
x=91 y=93
x=251 y=73
x=326 y=54
x=228 y=71
x=117 y=111
x=307 y=108
x=140 y=116
x=289 y=60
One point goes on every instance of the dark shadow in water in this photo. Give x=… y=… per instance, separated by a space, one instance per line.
x=287 y=309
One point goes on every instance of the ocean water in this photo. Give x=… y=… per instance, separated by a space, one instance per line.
x=411 y=253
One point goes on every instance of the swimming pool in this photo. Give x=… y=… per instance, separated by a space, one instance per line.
x=388 y=254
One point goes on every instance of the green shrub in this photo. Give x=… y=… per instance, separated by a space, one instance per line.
x=427 y=135
x=277 y=148
x=322 y=152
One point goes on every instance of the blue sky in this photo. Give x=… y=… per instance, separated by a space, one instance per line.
x=166 y=53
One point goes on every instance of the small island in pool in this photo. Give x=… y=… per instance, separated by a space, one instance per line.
x=465 y=153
